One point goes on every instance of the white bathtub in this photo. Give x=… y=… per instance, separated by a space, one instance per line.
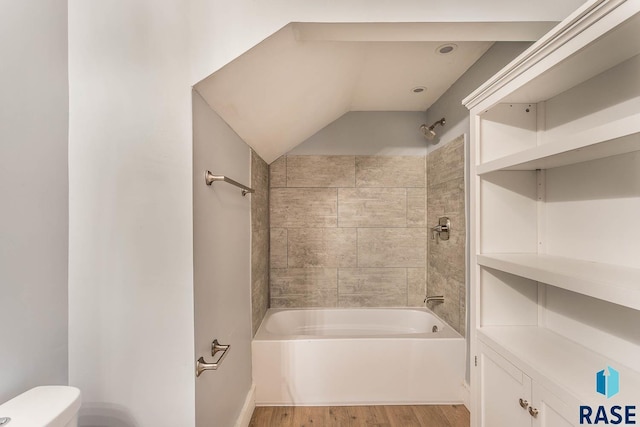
x=357 y=357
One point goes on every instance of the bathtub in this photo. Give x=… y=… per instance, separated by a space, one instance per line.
x=357 y=357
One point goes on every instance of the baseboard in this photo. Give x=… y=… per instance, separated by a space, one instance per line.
x=360 y=403
x=247 y=409
x=466 y=396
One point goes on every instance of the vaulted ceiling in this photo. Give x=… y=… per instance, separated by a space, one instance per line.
x=305 y=76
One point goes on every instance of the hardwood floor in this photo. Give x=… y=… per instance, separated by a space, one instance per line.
x=355 y=416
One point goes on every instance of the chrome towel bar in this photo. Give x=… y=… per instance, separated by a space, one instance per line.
x=210 y=178
x=216 y=347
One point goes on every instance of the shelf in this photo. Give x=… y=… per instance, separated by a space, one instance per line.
x=558 y=363
x=617 y=137
x=618 y=45
x=572 y=53
x=616 y=284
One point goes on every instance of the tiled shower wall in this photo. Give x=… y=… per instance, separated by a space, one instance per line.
x=348 y=231
x=259 y=240
x=446 y=259
x=352 y=231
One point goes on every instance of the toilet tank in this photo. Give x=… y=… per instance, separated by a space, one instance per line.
x=50 y=406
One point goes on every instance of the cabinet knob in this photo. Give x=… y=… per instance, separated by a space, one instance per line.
x=533 y=412
x=523 y=403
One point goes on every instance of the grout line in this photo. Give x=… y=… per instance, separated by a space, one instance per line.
x=357 y=249
x=338 y=287
x=426 y=216
x=286 y=172
x=355 y=172
x=337 y=209
x=406 y=208
x=406 y=282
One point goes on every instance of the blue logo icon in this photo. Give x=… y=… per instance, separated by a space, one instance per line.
x=608 y=382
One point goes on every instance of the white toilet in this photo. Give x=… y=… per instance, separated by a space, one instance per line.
x=45 y=406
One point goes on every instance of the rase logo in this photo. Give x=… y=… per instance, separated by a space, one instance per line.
x=608 y=384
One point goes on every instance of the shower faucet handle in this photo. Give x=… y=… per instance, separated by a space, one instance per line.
x=442 y=229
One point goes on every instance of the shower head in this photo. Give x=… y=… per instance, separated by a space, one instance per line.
x=428 y=131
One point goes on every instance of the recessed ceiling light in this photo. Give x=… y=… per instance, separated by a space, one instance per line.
x=418 y=89
x=446 y=48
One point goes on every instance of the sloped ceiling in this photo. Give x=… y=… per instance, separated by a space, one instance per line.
x=305 y=76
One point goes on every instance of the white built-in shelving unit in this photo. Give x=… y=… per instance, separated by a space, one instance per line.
x=555 y=223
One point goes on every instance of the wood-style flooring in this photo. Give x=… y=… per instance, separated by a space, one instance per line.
x=355 y=416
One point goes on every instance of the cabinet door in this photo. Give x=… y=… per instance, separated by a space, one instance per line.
x=502 y=385
x=552 y=411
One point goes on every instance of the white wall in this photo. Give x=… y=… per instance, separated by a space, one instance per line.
x=387 y=133
x=221 y=215
x=131 y=66
x=130 y=241
x=33 y=194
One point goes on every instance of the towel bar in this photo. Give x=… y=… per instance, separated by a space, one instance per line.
x=210 y=178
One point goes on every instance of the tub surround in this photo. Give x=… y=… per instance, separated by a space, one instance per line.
x=259 y=240
x=347 y=231
x=446 y=259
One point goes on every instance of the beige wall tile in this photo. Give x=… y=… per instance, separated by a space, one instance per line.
x=304 y=287
x=259 y=199
x=321 y=247
x=447 y=196
x=416 y=286
x=391 y=247
x=463 y=313
x=278 y=250
x=259 y=301
x=304 y=207
x=372 y=287
x=436 y=204
x=416 y=207
x=321 y=171
x=260 y=252
x=278 y=172
x=449 y=310
x=447 y=199
x=390 y=171
x=372 y=207
x=446 y=262
x=259 y=276
x=259 y=240
x=449 y=255
x=446 y=163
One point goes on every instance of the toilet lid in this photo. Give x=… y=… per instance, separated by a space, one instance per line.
x=51 y=406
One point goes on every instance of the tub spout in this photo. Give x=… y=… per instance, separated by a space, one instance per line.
x=434 y=298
